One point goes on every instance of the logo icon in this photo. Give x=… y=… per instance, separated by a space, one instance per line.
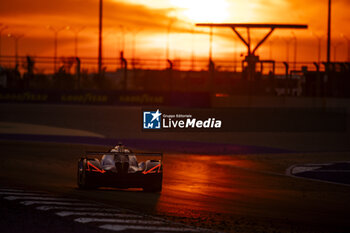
x=151 y=120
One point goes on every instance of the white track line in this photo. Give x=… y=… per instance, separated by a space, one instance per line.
x=301 y=169
x=289 y=172
x=55 y=203
x=22 y=194
x=114 y=227
x=11 y=190
x=112 y=220
x=71 y=213
x=49 y=207
x=11 y=198
x=340 y=171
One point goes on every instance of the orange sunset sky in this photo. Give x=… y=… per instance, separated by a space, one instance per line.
x=147 y=21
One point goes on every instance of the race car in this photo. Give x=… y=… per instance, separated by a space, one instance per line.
x=119 y=168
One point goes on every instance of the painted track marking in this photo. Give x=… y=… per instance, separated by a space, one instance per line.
x=50 y=207
x=71 y=213
x=339 y=171
x=11 y=190
x=55 y=203
x=114 y=227
x=124 y=221
x=304 y=169
x=21 y=194
x=11 y=198
x=127 y=221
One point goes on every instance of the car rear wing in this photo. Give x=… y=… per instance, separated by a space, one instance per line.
x=124 y=153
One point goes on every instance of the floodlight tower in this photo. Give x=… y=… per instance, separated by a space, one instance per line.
x=319 y=47
x=122 y=29
x=2 y=28
x=167 y=52
x=134 y=34
x=348 y=46
x=295 y=50
x=55 y=31
x=76 y=32
x=16 y=38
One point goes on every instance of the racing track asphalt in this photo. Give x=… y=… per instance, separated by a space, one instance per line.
x=230 y=193
x=211 y=191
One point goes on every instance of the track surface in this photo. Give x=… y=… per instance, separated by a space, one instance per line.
x=44 y=212
x=230 y=193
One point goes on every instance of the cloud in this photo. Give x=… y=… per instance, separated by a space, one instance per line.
x=68 y=12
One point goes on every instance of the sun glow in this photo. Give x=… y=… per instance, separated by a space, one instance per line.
x=203 y=10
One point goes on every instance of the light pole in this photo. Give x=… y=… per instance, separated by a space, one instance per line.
x=122 y=29
x=1 y=30
x=168 y=39
x=118 y=47
x=210 y=46
x=287 y=40
x=192 y=48
x=348 y=46
x=134 y=33
x=235 y=55
x=295 y=50
x=272 y=42
x=100 y=40
x=329 y=32
x=319 y=41
x=76 y=32
x=55 y=31
x=16 y=38
x=335 y=46
x=270 y=49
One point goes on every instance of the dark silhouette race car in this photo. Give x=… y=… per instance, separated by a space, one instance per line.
x=119 y=168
